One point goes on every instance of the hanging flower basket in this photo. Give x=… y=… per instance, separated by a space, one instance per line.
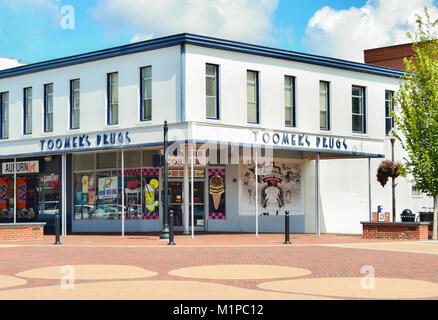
x=388 y=169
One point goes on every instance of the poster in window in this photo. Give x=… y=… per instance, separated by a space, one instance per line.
x=3 y=193
x=21 y=194
x=91 y=190
x=108 y=188
x=151 y=194
x=280 y=188
x=216 y=193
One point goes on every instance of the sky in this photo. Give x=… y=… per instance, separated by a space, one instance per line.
x=38 y=30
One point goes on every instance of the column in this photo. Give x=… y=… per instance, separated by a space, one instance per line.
x=317 y=218
x=186 y=186
x=64 y=194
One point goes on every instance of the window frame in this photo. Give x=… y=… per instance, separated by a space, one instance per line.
x=141 y=93
x=46 y=96
x=257 y=97
x=364 y=110
x=72 y=103
x=2 y=120
x=25 y=110
x=293 y=103
x=109 y=96
x=327 y=99
x=390 y=116
x=216 y=67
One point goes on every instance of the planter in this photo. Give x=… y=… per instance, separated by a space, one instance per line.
x=407 y=217
x=426 y=216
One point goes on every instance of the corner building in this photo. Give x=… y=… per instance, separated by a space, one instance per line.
x=78 y=135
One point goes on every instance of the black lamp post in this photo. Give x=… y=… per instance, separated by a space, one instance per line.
x=165 y=232
x=392 y=139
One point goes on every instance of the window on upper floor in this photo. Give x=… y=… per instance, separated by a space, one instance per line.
x=416 y=191
x=48 y=107
x=252 y=85
x=389 y=106
x=4 y=115
x=289 y=101
x=212 y=91
x=146 y=93
x=113 y=98
x=358 y=109
x=324 y=105
x=75 y=103
x=27 y=110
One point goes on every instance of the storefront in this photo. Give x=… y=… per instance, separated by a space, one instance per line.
x=37 y=195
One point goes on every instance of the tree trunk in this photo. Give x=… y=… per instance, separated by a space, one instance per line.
x=435 y=214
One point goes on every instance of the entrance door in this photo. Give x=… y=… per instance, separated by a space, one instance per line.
x=177 y=205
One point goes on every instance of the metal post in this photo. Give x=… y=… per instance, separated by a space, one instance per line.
x=171 y=234
x=165 y=233
x=192 y=192
x=317 y=224
x=64 y=194
x=15 y=190
x=57 y=238
x=369 y=188
x=123 y=193
x=286 y=228
x=257 y=191
x=393 y=183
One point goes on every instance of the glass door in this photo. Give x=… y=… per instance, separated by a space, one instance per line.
x=198 y=205
x=175 y=201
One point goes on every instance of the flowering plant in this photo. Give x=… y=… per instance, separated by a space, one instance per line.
x=388 y=169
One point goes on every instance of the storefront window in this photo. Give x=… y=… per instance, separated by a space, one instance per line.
x=83 y=162
x=106 y=160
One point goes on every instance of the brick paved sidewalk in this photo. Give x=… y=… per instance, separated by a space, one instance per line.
x=398 y=274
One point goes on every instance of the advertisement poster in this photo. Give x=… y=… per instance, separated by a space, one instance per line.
x=280 y=188
x=3 y=193
x=107 y=188
x=216 y=193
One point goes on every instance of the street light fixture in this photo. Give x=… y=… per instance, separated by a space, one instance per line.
x=392 y=139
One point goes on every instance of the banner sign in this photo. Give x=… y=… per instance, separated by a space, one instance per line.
x=200 y=157
x=107 y=187
x=22 y=167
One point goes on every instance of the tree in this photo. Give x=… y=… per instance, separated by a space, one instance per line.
x=417 y=110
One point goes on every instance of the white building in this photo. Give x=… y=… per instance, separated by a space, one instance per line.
x=76 y=125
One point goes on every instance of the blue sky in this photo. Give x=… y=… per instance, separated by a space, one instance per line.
x=31 y=30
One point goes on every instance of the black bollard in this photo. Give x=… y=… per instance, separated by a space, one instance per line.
x=171 y=242
x=57 y=237
x=286 y=228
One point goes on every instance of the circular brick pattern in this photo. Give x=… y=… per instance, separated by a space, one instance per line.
x=239 y=271
x=147 y=290
x=88 y=272
x=8 y=281
x=384 y=288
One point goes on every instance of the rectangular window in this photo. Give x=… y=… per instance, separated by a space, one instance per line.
x=358 y=109
x=211 y=91
x=75 y=103
x=27 y=110
x=324 y=105
x=113 y=98
x=4 y=115
x=416 y=191
x=48 y=107
x=289 y=101
x=252 y=84
x=146 y=93
x=389 y=106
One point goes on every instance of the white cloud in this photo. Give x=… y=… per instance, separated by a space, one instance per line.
x=141 y=37
x=244 y=20
x=6 y=63
x=346 y=33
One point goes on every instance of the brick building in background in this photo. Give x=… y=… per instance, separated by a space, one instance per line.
x=389 y=57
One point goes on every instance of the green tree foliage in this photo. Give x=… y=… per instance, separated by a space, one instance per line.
x=417 y=110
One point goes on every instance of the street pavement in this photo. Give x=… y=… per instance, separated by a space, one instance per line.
x=218 y=267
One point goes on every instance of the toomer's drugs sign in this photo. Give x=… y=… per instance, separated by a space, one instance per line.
x=22 y=167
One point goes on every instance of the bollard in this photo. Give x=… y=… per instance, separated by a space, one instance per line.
x=57 y=238
x=286 y=228
x=171 y=242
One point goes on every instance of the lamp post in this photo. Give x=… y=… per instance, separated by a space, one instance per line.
x=165 y=232
x=392 y=139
